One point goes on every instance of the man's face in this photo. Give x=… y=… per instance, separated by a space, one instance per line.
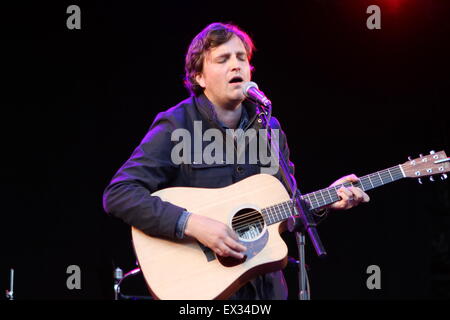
x=225 y=69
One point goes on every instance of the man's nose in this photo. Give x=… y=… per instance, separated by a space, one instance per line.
x=235 y=64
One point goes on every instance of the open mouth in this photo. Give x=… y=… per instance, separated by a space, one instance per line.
x=236 y=79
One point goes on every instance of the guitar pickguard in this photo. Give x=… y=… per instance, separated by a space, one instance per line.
x=253 y=248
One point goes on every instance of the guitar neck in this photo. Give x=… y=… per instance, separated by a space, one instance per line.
x=323 y=197
x=329 y=195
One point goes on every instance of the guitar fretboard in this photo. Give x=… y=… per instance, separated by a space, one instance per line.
x=317 y=199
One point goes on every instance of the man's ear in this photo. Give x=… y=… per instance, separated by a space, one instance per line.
x=200 y=80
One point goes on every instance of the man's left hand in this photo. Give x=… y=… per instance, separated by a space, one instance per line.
x=351 y=196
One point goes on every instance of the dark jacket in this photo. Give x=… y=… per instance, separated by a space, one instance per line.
x=150 y=168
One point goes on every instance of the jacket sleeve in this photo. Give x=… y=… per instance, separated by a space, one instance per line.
x=148 y=169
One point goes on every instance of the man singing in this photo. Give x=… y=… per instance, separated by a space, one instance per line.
x=217 y=66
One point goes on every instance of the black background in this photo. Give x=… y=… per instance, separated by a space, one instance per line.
x=75 y=103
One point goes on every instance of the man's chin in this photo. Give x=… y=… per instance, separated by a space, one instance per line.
x=237 y=96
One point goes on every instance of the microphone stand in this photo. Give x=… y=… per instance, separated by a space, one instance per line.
x=302 y=221
x=119 y=277
x=10 y=292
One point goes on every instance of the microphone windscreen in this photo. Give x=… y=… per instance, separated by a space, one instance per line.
x=247 y=86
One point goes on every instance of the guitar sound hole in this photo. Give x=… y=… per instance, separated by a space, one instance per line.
x=248 y=224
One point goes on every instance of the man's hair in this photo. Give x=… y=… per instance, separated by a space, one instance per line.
x=212 y=36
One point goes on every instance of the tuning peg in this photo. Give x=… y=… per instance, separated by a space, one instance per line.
x=431 y=179
x=409 y=158
x=432 y=152
x=421 y=155
x=443 y=176
x=420 y=180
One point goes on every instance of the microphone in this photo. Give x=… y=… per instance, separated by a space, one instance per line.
x=252 y=92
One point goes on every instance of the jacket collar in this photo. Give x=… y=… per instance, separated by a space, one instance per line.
x=206 y=109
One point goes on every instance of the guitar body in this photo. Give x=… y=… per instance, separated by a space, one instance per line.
x=185 y=269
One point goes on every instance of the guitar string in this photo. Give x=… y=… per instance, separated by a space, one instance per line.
x=277 y=207
x=384 y=172
x=247 y=221
x=261 y=221
x=258 y=219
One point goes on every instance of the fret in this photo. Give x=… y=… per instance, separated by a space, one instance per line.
x=265 y=217
x=376 y=183
x=293 y=207
x=309 y=202
x=367 y=185
x=282 y=212
x=387 y=176
x=274 y=219
x=266 y=214
x=324 y=196
x=389 y=171
x=370 y=181
x=274 y=213
x=360 y=185
x=317 y=200
x=381 y=178
x=324 y=200
x=277 y=208
x=331 y=197
x=286 y=211
x=315 y=193
x=391 y=174
x=401 y=170
x=336 y=197
x=288 y=208
x=279 y=214
x=384 y=177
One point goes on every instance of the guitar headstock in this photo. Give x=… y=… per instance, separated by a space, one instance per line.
x=428 y=165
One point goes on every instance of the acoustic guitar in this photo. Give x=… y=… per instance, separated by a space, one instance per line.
x=255 y=208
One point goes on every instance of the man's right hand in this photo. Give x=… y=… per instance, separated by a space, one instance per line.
x=215 y=235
